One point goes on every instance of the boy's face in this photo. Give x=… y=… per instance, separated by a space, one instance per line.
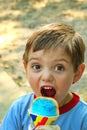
x=50 y=73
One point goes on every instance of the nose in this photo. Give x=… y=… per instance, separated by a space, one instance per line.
x=47 y=75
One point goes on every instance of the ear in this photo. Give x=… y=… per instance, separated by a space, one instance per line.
x=79 y=72
x=25 y=65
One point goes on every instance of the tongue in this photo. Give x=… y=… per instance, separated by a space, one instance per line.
x=48 y=92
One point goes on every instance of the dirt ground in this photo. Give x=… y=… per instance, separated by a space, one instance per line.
x=18 y=19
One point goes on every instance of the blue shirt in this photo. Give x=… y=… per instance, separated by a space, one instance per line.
x=73 y=116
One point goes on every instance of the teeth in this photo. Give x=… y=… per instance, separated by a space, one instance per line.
x=47 y=88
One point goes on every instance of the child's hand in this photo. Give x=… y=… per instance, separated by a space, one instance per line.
x=48 y=127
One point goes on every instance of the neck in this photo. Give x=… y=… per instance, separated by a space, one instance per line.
x=67 y=99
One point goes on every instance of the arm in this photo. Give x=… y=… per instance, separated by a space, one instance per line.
x=12 y=120
x=17 y=117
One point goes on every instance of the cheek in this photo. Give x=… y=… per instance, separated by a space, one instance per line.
x=28 y=76
x=64 y=81
x=34 y=84
x=68 y=81
x=32 y=79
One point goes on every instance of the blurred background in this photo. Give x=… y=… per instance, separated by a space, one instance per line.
x=18 y=19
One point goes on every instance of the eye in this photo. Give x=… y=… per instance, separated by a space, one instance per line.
x=36 y=67
x=59 y=68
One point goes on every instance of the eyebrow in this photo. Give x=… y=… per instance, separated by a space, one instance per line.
x=57 y=60
x=33 y=58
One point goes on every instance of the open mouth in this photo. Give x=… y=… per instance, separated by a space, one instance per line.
x=48 y=91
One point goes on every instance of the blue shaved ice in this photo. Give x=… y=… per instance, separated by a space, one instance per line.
x=44 y=107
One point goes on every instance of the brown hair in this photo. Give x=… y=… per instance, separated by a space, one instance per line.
x=54 y=35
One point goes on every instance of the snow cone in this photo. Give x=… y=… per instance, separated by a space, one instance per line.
x=43 y=111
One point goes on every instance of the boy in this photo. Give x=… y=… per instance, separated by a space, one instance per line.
x=53 y=61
